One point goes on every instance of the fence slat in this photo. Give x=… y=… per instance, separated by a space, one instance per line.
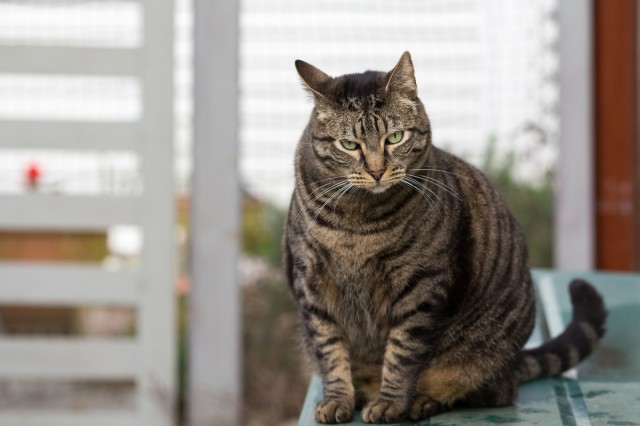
x=156 y=317
x=70 y=284
x=69 y=418
x=68 y=358
x=55 y=212
x=69 y=135
x=68 y=60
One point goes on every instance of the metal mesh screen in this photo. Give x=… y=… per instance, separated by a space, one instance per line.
x=71 y=22
x=484 y=68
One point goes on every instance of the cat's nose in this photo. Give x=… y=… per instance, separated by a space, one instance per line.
x=377 y=174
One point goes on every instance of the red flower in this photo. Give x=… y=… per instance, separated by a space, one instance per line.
x=33 y=173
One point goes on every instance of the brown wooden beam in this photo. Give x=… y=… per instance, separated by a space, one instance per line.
x=616 y=150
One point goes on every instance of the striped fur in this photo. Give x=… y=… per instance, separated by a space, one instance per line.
x=576 y=342
x=410 y=273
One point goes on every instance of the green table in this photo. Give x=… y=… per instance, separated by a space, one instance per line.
x=605 y=390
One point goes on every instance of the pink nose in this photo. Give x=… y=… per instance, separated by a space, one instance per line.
x=377 y=174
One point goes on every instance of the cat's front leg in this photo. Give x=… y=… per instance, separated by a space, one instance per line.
x=332 y=356
x=398 y=380
x=413 y=324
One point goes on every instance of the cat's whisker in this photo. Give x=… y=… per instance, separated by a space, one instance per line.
x=423 y=193
x=331 y=178
x=331 y=186
x=344 y=191
x=419 y=191
x=424 y=186
x=441 y=171
x=403 y=186
x=329 y=200
x=442 y=185
x=308 y=203
x=324 y=186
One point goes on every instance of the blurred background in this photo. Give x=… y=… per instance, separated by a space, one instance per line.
x=146 y=164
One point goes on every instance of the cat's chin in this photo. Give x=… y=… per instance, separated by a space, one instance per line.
x=379 y=188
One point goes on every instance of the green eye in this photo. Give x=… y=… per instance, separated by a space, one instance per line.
x=395 y=137
x=347 y=144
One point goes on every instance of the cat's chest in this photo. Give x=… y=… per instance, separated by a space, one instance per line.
x=357 y=290
x=363 y=314
x=352 y=249
x=358 y=296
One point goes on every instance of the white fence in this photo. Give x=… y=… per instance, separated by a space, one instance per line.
x=148 y=358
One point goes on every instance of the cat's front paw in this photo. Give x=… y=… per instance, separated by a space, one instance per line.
x=334 y=410
x=383 y=411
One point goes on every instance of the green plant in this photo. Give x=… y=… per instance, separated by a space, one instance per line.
x=530 y=202
x=274 y=379
x=262 y=230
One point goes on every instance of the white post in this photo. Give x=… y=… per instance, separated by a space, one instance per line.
x=214 y=358
x=574 y=203
x=156 y=315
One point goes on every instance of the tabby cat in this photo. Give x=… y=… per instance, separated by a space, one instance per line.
x=409 y=272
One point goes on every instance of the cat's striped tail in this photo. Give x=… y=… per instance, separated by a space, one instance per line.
x=574 y=344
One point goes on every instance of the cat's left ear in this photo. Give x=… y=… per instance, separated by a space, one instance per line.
x=402 y=78
x=316 y=81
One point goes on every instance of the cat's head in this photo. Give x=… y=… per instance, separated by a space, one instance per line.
x=369 y=128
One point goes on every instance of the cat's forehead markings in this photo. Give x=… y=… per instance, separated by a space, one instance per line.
x=390 y=123
x=375 y=101
x=353 y=104
x=322 y=115
x=409 y=103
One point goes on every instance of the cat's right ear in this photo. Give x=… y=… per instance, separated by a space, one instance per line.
x=315 y=80
x=401 y=78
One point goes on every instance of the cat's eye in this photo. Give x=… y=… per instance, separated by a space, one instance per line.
x=347 y=144
x=395 y=137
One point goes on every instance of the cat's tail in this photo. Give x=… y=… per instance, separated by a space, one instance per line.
x=575 y=343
